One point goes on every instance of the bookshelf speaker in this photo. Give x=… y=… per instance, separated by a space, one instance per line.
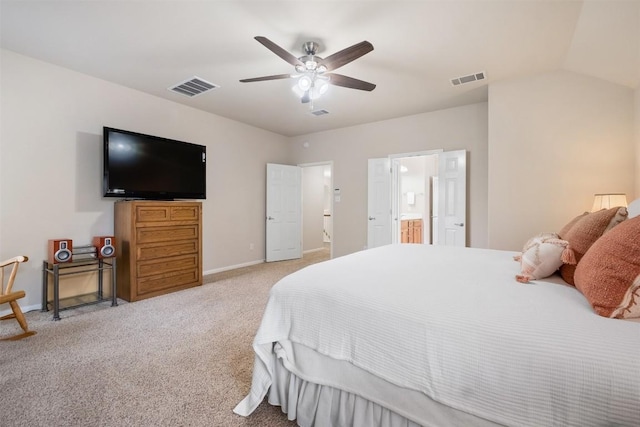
x=60 y=251
x=105 y=246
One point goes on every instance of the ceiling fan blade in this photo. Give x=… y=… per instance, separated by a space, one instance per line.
x=350 y=82
x=347 y=55
x=261 y=79
x=279 y=51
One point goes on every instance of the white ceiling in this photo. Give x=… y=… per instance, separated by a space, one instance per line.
x=418 y=47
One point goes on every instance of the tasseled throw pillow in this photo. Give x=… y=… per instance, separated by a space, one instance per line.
x=542 y=256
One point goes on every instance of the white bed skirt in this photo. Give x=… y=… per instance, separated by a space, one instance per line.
x=317 y=405
x=295 y=389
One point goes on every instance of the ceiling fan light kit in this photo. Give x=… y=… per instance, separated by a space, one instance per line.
x=313 y=76
x=312 y=86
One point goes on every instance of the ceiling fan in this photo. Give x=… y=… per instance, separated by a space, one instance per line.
x=313 y=72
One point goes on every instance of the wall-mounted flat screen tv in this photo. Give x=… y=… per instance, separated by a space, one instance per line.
x=140 y=166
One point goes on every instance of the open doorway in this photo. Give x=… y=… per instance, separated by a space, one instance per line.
x=414 y=198
x=317 y=207
x=442 y=201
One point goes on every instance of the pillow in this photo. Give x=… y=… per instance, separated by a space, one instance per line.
x=585 y=231
x=542 y=257
x=563 y=231
x=535 y=240
x=634 y=208
x=609 y=273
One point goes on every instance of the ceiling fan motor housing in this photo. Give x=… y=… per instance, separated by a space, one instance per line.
x=310 y=48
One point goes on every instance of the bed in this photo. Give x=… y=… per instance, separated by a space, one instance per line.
x=410 y=335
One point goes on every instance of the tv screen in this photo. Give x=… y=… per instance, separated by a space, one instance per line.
x=150 y=167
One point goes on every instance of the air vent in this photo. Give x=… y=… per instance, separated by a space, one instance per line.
x=468 y=79
x=319 y=112
x=193 y=87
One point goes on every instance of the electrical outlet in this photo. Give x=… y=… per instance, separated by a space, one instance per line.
x=250 y=246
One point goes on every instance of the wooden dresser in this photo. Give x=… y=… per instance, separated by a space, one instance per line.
x=158 y=247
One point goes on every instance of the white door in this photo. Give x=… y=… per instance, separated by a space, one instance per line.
x=452 y=189
x=284 y=213
x=379 y=203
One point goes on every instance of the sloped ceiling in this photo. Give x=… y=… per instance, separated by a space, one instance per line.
x=418 y=47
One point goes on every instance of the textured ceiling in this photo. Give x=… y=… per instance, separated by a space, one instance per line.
x=418 y=47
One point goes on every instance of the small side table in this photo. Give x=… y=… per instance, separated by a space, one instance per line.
x=76 y=267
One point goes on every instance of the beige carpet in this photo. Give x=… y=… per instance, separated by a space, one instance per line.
x=183 y=359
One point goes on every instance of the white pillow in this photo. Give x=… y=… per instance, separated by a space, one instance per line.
x=634 y=208
x=543 y=256
x=535 y=241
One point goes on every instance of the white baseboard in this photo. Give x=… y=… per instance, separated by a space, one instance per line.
x=232 y=267
x=248 y=264
x=312 y=250
x=24 y=308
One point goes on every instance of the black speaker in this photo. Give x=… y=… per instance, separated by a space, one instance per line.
x=105 y=246
x=60 y=251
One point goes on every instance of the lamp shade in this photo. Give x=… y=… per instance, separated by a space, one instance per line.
x=606 y=201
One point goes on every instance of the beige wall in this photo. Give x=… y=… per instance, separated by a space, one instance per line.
x=51 y=154
x=637 y=137
x=349 y=148
x=554 y=140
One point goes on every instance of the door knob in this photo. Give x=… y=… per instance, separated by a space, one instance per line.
x=459 y=224
x=371 y=218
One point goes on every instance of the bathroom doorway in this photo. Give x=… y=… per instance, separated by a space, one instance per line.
x=414 y=197
x=427 y=189
x=317 y=207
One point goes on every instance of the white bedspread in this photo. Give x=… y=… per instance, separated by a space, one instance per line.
x=454 y=324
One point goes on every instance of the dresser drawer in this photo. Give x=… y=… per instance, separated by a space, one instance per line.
x=150 y=251
x=146 y=214
x=166 y=281
x=185 y=213
x=167 y=234
x=153 y=213
x=165 y=265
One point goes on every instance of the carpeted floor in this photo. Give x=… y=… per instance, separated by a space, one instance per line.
x=183 y=359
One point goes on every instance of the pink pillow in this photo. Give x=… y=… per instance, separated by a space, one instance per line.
x=586 y=231
x=609 y=273
x=564 y=230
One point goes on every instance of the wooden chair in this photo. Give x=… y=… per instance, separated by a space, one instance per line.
x=7 y=295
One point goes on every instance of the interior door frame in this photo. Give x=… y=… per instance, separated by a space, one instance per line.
x=331 y=209
x=395 y=188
